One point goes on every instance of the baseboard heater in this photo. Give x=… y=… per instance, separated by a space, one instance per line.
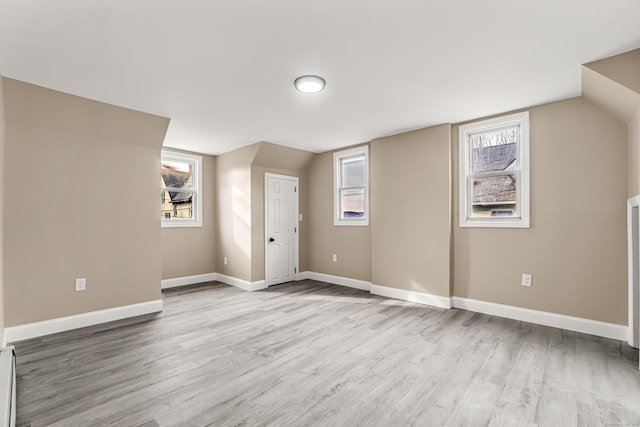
x=7 y=387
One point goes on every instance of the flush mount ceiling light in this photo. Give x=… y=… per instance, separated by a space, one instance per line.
x=309 y=84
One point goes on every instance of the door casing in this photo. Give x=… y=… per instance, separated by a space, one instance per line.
x=296 y=181
x=633 y=253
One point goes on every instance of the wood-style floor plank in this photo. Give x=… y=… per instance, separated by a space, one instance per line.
x=309 y=353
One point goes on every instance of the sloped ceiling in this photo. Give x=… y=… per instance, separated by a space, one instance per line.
x=223 y=70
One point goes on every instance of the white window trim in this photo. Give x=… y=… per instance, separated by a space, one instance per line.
x=337 y=157
x=197 y=190
x=522 y=192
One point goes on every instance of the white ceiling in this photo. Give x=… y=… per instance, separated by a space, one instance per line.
x=223 y=70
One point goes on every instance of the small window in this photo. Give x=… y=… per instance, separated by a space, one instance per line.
x=351 y=187
x=181 y=186
x=494 y=172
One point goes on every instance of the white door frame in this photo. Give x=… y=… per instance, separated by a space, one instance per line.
x=296 y=249
x=633 y=263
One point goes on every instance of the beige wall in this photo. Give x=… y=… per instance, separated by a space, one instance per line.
x=233 y=212
x=623 y=69
x=303 y=226
x=2 y=184
x=351 y=244
x=81 y=200
x=576 y=246
x=633 y=157
x=280 y=157
x=618 y=100
x=410 y=210
x=614 y=84
x=188 y=251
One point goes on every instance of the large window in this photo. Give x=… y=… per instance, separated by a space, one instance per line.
x=494 y=172
x=351 y=186
x=181 y=187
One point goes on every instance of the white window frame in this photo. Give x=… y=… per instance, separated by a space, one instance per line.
x=196 y=161
x=522 y=171
x=337 y=181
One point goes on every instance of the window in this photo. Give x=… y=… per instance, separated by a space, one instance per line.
x=351 y=187
x=181 y=186
x=494 y=172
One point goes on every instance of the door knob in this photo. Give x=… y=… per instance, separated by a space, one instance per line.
x=271 y=239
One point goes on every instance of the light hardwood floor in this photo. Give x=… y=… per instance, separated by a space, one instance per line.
x=313 y=354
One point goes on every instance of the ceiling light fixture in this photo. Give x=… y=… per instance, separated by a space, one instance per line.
x=309 y=84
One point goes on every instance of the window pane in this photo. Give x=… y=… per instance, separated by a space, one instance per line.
x=352 y=203
x=178 y=175
x=494 y=151
x=177 y=205
x=353 y=173
x=494 y=196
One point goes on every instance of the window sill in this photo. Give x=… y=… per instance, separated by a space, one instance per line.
x=351 y=223
x=515 y=223
x=180 y=224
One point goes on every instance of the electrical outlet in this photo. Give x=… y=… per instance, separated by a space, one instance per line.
x=299 y=217
x=225 y=261
x=335 y=258
x=81 y=284
x=526 y=279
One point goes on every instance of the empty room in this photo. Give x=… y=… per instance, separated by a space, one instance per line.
x=289 y=213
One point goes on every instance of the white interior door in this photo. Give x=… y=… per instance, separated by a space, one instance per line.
x=281 y=228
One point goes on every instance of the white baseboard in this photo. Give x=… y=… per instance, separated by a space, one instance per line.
x=211 y=277
x=411 y=296
x=570 y=323
x=188 y=280
x=336 y=280
x=67 y=323
x=242 y=284
x=561 y=321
